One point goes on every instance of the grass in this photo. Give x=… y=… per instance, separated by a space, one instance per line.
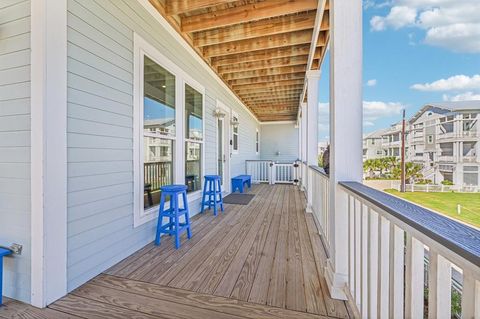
x=446 y=203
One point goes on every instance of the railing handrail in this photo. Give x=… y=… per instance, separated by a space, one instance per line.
x=457 y=237
x=319 y=170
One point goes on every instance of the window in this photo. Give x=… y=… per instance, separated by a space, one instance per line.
x=470 y=175
x=193 y=138
x=158 y=130
x=235 y=133
x=257 y=147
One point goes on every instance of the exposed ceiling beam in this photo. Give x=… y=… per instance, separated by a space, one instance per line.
x=260 y=43
x=264 y=94
x=270 y=78
x=264 y=64
x=176 y=7
x=245 y=13
x=255 y=29
x=267 y=85
x=265 y=72
x=269 y=89
x=294 y=50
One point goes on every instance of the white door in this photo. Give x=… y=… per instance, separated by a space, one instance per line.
x=223 y=151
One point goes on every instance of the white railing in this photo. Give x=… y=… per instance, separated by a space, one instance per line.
x=433 y=188
x=267 y=171
x=320 y=200
x=259 y=170
x=387 y=240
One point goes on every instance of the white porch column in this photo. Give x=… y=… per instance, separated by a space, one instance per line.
x=313 y=77
x=48 y=151
x=345 y=131
x=303 y=134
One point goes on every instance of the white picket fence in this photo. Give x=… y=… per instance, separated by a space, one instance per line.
x=435 y=188
x=267 y=171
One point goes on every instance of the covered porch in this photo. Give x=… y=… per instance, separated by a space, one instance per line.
x=261 y=260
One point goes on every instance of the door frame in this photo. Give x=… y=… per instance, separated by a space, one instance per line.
x=226 y=144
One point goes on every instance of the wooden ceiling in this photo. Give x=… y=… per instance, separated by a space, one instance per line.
x=260 y=48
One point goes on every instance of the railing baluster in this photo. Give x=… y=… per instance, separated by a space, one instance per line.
x=373 y=264
x=358 y=212
x=470 y=296
x=439 y=286
x=414 y=278
x=383 y=267
x=351 y=244
x=364 y=262
x=396 y=271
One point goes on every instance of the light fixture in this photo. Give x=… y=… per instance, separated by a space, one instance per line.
x=164 y=86
x=234 y=122
x=218 y=113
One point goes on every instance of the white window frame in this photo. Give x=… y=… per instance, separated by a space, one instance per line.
x=235 y=151
x=142 y=48
x=200 y=89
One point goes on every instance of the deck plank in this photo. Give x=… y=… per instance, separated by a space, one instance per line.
x=203 y=270
x=276 y=294
x=16 y=309
x=205 y=301
x=236 y=250
x=313 y=292
x=295 y=284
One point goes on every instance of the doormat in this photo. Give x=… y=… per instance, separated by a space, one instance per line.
x=238 y=199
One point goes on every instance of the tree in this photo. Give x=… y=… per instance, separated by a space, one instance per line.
x=413 y=171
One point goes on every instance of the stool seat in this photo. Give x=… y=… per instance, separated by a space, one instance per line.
x=173 y=188
x=212 y=193
x=174 y=226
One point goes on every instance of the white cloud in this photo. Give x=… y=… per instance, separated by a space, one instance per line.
x=399 y=16
x=372 y=112
x=451 y=24
x=454 y=83
x=467 y=96
x=372 y=82
x=375 y=110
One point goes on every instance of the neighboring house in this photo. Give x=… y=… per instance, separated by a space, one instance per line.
x=443 y=137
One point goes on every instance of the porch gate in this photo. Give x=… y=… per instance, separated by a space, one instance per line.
x=268 y=171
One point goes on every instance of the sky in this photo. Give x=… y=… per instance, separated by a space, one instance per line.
x=415 y=52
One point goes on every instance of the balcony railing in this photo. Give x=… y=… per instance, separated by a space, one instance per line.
x=268 y=171
x=388 y=242
x=157 y=174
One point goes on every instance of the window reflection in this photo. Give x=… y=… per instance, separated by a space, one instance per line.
x=193 y=138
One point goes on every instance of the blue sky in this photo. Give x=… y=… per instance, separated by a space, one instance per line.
x=415 y=52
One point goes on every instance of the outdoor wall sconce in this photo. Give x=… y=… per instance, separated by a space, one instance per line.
x=218 y=113
x=234 y=123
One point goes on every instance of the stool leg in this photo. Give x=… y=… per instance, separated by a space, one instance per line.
x=220 y=194
x=187 y=214
x=170 y=218
x=214 y=198
x=160 y=219
x=209 y=194
x=177 y=233
x=203 y=196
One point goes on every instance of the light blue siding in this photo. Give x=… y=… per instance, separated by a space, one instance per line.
x=15 y=143
x=279 y=142
x=100 y=130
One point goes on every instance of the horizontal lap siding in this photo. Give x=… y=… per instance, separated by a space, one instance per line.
x=279 y=138
x=100 y=130
x=15 y=143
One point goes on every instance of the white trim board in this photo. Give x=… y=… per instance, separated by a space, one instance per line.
x=48 y=151
x=278 y=122
x=160 y=19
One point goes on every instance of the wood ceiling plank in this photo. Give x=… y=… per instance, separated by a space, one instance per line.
x=173 y=7
x=267 y=95
x=267 y=85
x=265 y=72
x=276 y=98
x=255 y=29
x=290 y=51
x=270 y=89
x=260 y=43
x=270 y=78
x=245 y=13
x=263 y=64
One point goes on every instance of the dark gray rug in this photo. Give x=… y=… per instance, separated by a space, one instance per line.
x=238 y=199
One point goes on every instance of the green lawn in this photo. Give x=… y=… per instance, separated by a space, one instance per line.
x=446 y=203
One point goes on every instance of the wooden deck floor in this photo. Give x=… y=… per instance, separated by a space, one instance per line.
x=260 y=260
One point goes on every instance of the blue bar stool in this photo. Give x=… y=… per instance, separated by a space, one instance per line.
x=212 y=193
x=3 y=252
x=174 y=226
